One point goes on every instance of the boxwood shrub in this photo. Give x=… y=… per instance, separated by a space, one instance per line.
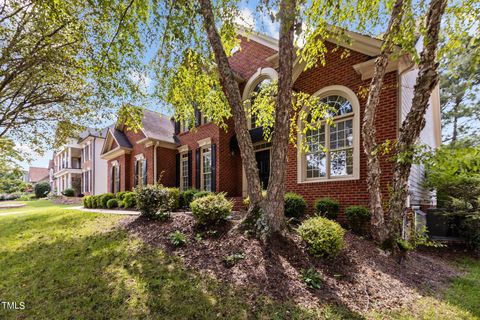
x=295 y=205
x=211 y=209
x=201 y=194
x=121 y=195
x=87 y=201
x=130 y=200
x=327 y=208
x=103 y=199
x=324 y=237
x=186 y=197
x=69 y=192
x=174 y=195
x=42 y=189
x=358 y=217
x=156 y=199
x=112 y=203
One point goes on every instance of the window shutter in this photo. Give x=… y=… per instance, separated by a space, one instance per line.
x=214 y=167
x=177 y=170
x=135 y=173
x=197 y=169
x=177 y=127
x=118 y=180
x=190 y=168
x=198 y=116
x=112 y=179
x=144 y=168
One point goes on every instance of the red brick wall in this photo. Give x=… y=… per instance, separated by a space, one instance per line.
x=166 y=166
x=251 y=56
x=124 y=162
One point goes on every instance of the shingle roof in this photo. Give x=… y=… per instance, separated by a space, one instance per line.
x=36 y=174
x=158 y=126
x=94 y=133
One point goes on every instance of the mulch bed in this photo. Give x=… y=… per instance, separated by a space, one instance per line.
x=361 y=277
x=67 y=200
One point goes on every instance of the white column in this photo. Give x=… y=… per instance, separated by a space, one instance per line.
x=69 y=160
x=69 y=180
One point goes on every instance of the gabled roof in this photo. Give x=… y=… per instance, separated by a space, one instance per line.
x=36 y=174
x=158 y=126
x=120 y=138
x=91 y=132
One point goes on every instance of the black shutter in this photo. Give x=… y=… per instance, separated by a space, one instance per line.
x=214 y=167
x=177 y=170
x=145 y=180
x=197 y=169
x=112 y=180
x=198 y=116
x=177 y=127
x=135 y=173
x=190 y=169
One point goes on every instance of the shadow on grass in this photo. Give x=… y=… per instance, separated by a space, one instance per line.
x=107 y=275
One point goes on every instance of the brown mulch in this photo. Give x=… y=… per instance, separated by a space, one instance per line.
x=66 y=200
x=361 y=277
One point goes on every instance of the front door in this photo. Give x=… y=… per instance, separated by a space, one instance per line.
x=263 y=163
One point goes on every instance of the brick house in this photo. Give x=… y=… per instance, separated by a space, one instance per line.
x=146 y=156
x=208 y=157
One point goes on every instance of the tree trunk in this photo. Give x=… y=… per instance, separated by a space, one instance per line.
x=379 y=229
x=274 y=205
x=232 y=93
x=455 y=120
x=426 y=81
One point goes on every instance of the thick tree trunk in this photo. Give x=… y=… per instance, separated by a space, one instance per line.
x=232 y=92
x=379 y=229
x=426 y=81
x=274 y=210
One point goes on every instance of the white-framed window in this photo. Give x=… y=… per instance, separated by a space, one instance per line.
x=184 y=178
x=141 y=172
x=333 y=151
x=206 y=169
x=115 y=178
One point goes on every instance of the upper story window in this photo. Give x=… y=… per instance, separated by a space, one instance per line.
x=333 y=150
x=258 y=81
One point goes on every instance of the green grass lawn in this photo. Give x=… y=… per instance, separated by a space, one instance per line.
x=69 y=264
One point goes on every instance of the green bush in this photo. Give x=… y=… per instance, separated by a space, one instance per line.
x=121 y=195
x=95 y=202
x=295 y=205
x=151 y=199
x=112 y=203
x=129 y=200
x=357 y=217
x=42 y=189
x=174 y=195
x=120 y=203
x=177 y=238
x=186 y=197
x=69 y=192
x=211 y=209
x=327 y=208
x=324 y=237
x=104 y=199
x=201 y=194
x=87 y=201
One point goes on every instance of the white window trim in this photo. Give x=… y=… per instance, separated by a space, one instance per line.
x=139 y=156
x=348 y=94
x=202 y=148
x=204 y=142
x=183 y=149
x=182 y=154
x=261 y=74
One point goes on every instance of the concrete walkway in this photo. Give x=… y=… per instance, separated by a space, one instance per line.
x=109 y=211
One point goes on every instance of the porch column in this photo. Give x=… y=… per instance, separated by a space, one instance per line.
x=69 y=160
x=69 y=180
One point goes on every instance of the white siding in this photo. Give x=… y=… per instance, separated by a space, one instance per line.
x=419 y=195
x=100 y=179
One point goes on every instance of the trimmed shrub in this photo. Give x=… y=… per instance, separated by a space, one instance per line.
x=42 y=189
x=174 y=195
x=327 y=208
x=112 y=203
x=104 y=199
x=153 y=199
x=357 y=217
x=120 y=195
x=201 y=194
x=69 y=192
x=295 y=205
x=186 y=197
x=129 y=200
x=324 y=237
x=87 y=201
x=120 y=203
x=211 y=209
x=95 y=201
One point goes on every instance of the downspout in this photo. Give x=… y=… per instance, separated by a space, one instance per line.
x=155 y=163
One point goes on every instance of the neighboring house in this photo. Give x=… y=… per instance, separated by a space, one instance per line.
x=208 y=157
x=37 y=174
x=146 y=156
x=77 y=165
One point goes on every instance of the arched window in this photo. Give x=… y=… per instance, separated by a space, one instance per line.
x=255 y=84
x=333 y=150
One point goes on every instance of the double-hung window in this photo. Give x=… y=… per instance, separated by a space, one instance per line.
x=206 y=181
x=184 y=182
